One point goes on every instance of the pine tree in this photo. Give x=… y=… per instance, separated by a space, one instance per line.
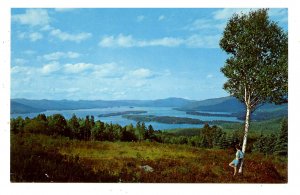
x=281 y=147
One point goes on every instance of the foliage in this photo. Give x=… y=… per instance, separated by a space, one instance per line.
x=257 y=68
x=278 y=144
x=282 y=140
x=57 y=125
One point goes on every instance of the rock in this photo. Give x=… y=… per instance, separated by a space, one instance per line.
x=146 y=168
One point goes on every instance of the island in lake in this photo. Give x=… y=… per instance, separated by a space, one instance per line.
x=209 y=114
x=163 y=119
x=171 y=119
x=122 y=113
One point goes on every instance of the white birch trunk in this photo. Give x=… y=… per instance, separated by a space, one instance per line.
x=247 y=123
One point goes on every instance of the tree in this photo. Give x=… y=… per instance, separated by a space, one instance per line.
x=17 y=125
x=257 y=68
x=281 y=147
x=86 y=128
x=97 y=131
x=58 y=125
x=128 y=134
x=35 y=126
x=74 y=126
x=141 y=129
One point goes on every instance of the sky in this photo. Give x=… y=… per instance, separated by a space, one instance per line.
x=113 y=54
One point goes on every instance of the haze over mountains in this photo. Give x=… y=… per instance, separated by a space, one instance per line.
x=223 y=104
x=27 y=106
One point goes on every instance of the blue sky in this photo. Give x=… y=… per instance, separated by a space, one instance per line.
x=120 y=53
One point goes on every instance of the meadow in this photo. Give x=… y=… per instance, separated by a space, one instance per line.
x=43 y=158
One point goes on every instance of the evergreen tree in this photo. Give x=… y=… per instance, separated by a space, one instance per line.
x=74 y=127
x=282 y=142
x=87 y=128
x=92 y=122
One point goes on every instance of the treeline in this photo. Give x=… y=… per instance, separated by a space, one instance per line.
x=82 y=128
x=89 y=129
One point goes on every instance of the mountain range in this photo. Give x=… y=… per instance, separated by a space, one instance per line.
x=223 y=104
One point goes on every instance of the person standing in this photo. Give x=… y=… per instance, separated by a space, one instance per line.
x=239 y=155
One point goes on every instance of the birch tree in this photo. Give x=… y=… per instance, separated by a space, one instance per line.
x=257 y=66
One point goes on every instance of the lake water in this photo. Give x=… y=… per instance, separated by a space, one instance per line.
x=157 y=111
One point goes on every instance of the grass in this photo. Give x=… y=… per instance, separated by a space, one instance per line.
x=67 y=160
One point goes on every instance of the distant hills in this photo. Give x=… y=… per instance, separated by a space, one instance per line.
x=30 y=106
x=232 y=105
x=223 y=104
x=22 y=108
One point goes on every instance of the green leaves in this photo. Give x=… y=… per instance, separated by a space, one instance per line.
x=257 y=68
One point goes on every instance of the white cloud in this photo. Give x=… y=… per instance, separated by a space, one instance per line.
x=32 y=36
x=77 y=68
x=29 y=52
x=209 y=76
x=142 y=73
x=119 y=41
x=19 y=61
x=107 y=41
x=70 y=37
x=59 y=55
x=161 y=17
x=108 y=70
x=50 y=68
x=35 y=36
x=128 y=41
x=140 y=18
x=166 y=41
x=21 y=70
x=33 y=17
x=47 y=28
x=202 y=24
x=210 y=41
x=22 y=35
x=199 y=41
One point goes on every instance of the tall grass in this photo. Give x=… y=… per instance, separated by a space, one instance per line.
x=64 y=160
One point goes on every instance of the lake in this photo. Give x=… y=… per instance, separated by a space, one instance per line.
x=157 y=111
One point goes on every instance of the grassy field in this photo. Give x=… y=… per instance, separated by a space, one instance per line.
x=41 y=158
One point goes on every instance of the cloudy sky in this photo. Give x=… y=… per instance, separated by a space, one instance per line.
x=119 y=53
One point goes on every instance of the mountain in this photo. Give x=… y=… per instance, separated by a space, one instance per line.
x=27 y=106
x=21 y=108
x=232 y=105
x=223 y=104
x=170 y=102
